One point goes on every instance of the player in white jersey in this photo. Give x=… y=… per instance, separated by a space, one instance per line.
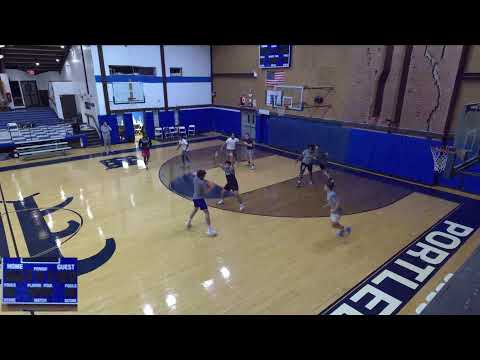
x=183 y=143
x=231 y=145
x=335 y=209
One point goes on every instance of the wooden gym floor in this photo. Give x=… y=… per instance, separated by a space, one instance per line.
x=279 y=257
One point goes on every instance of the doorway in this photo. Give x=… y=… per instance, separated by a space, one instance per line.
x=248 y=123
x=69 y=106
x=30 y=93
x=138 y=124
x=16 y=94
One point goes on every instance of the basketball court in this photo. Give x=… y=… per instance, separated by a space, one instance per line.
x=409 y=192
x=126 y=225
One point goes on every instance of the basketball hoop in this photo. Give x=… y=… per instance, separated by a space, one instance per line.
x=440 y=156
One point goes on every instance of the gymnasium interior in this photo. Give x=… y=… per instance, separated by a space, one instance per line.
x=88 y=231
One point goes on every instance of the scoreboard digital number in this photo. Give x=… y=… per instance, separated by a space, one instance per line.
x=34 y=281
x=275 y=56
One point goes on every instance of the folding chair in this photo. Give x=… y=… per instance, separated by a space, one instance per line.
x=166 y=133
x=159 y=133
x=191 y=130
x=173 y=131
x=182 y=131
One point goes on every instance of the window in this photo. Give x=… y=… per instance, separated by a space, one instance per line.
x=131 y=70
x=176 y=71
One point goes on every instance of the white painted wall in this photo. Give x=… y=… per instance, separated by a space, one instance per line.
x=193 y=59
x=137 y=55
x=195 y=62
x=74 y=71
x=187 y=94
x=41 y=79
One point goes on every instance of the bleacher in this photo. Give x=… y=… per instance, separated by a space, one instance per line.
x=32 y=125
x=34 y=132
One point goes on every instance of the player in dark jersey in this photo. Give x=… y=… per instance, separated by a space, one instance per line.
x=232 y=183
x=248 y=142
x=321 y=159
x=306 y=157
x=145 y=144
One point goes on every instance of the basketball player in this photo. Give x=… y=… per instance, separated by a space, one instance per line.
x=248 y=141
x=232 y=183
x=145 y=144
x=321 y=160
x=335 y=209
x=183 y=143
x=105 y=129
x=231 y=145
x=200 y=188
x=307 y=157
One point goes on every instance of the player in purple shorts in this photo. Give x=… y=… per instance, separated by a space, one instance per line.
x=200 y=188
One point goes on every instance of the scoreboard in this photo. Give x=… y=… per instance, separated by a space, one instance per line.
x=39 y=281
x=275 y=56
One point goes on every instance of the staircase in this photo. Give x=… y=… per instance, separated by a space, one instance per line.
x=92 y=137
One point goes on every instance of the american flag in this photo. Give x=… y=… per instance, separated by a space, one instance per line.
x=275 y=77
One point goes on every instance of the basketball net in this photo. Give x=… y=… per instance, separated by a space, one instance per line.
x=440 y=156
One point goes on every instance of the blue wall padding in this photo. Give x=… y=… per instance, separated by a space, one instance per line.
x=295 y=135
x=472 y=183
x=166 y=118
x=148 y=124
x=128 y=126
x=261 y=128
x=112 y=121
x=397 y=155
x=463 y=182
x=201 y=118
x=226 y=122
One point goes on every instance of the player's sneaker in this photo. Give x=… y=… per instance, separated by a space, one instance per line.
x=348 y=230
x=188 y=224
x=299 y=183
x=242 y=207
x=340 y=233
x=252 y=167
x=220 y=202
x=211 y=232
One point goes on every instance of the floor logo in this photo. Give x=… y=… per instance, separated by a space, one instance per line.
x=389 y=288
x=41 y=241
x=119 y=162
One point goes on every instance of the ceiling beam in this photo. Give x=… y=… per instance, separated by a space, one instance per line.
x=31 y=49
x=30 y=55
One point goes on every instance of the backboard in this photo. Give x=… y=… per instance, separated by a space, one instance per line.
x=286 y=97
x=466 y=142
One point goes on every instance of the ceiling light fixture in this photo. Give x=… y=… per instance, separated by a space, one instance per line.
x=2 y=46
x=62 y=46
x=37 y=63
x=1 y=56
x=57 y=60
